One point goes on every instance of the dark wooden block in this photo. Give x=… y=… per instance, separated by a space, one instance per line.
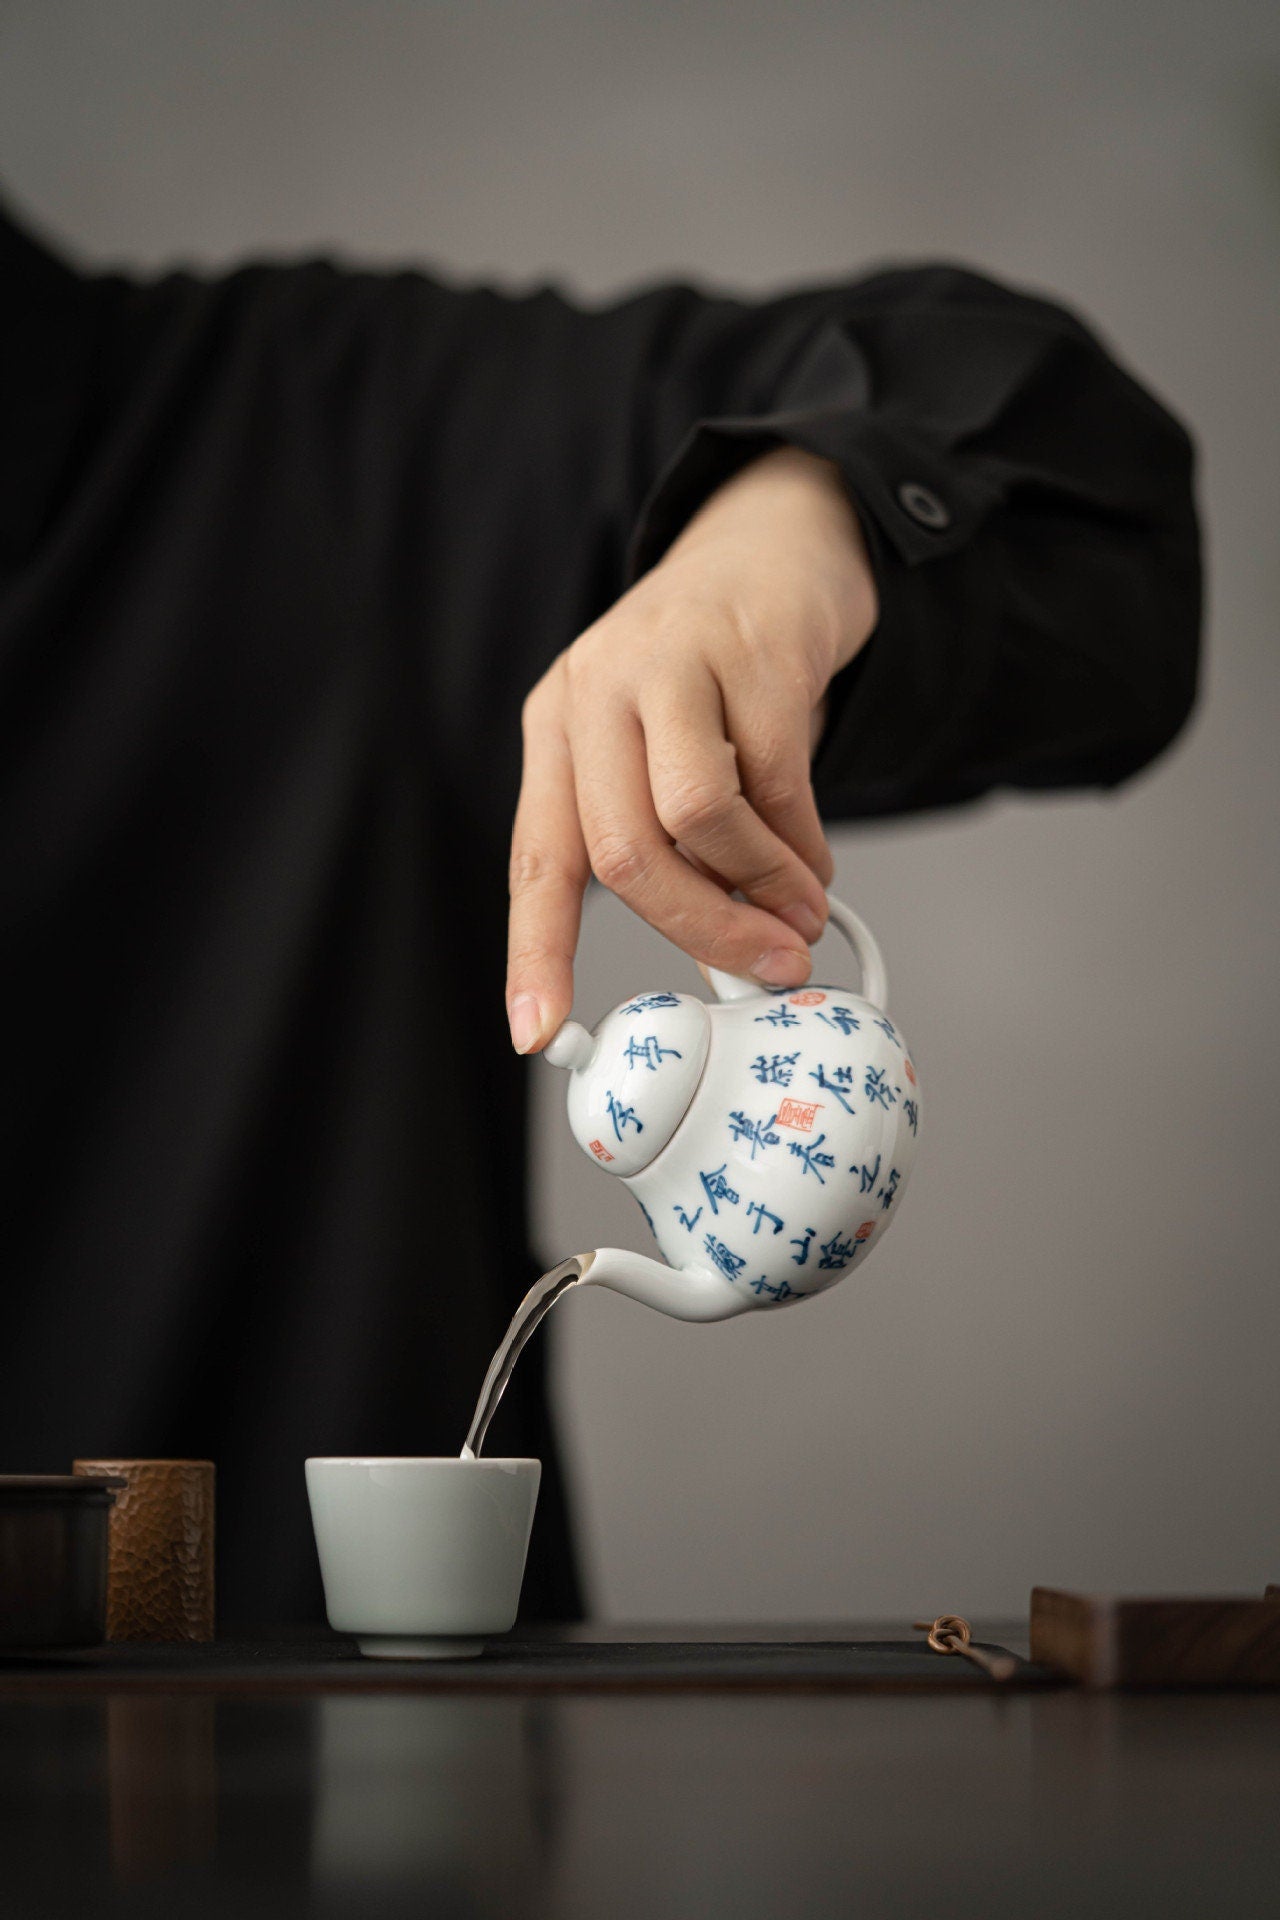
x=1106 y=1641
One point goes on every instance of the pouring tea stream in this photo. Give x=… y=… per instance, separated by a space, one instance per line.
x=766 y=1136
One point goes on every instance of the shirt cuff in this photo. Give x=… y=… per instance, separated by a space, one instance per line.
x=922 y=499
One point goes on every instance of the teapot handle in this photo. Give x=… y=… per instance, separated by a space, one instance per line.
x=874 y=987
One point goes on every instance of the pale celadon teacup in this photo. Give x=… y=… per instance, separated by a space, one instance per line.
x=422 y=1558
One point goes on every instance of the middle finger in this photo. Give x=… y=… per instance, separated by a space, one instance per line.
x=633 y=856
x=697 y=792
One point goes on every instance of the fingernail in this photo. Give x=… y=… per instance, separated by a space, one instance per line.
x=804 y=920
x=781 y=967
x=525 y=1016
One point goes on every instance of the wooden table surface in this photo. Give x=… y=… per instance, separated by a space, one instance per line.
x=669 y=1804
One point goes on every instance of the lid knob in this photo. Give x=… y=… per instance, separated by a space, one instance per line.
x=572 y=1046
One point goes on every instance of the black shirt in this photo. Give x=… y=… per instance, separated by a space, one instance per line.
x=280 y=554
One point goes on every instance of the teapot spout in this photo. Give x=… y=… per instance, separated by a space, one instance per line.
x=685 y=1295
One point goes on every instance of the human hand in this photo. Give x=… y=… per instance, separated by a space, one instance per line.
x=667 y=750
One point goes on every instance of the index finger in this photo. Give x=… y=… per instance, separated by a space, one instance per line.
x=548 y=877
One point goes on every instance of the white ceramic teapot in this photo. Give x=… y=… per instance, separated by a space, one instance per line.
x=767 y=1138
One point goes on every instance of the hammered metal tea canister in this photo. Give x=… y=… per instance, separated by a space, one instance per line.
x=160 y=1581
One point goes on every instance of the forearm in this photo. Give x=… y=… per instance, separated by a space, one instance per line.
x=1027 y=510
x=954 y=466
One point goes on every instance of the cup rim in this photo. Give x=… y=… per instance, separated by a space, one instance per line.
x=418 y=1460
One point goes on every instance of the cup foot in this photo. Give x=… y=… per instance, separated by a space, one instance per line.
x=397 y=1646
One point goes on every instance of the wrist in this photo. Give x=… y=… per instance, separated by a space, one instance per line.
x=792 y=508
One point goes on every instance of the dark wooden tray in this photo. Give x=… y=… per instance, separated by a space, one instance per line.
x=517 y=1666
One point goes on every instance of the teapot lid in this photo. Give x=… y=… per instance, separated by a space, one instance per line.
x=633 y=1079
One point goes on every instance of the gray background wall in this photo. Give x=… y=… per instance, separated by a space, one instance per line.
x=1062 y=1366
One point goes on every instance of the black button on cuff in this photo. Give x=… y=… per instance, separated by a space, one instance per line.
x=924 y=506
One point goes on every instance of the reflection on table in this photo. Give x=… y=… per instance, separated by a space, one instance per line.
x=643 y=1804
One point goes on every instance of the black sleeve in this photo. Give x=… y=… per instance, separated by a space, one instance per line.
x=494 y=468
x=1027 y=503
